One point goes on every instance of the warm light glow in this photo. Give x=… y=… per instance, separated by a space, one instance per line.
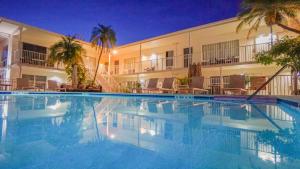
x=57 y=79
x=114 y=52
x=265 y=39
x=153 y=56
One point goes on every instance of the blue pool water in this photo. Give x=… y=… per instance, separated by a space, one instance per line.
x=84 y=132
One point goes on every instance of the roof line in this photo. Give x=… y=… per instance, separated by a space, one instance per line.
x=37 y=28
x=192 y=29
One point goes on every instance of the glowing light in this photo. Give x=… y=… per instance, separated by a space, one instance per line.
x=153 y=56
x=147 y=131
x=269 y=157
x=57 y=79
x=264 y=39
x=152 y=132
x=112 y=136
x=56 y=106
x=143 y=131
x=114 y=52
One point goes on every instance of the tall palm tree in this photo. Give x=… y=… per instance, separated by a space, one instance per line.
x=103 y=38
x=272 y=12
x=69 y=52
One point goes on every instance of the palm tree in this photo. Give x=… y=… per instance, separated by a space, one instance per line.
x=103 y=38
x=67 y=51
x=272 y=12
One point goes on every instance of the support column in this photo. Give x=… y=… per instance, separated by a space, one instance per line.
x=9 y=57
x=20 y=52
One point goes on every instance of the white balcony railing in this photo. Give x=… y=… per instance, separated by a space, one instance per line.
x=36 y=59
x=245 y=54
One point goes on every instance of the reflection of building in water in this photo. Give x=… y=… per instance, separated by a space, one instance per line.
x=201 y=128
x=233 y=133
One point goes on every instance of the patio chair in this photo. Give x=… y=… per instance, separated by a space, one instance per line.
x=236 y=85
x=24 y=84
x=197 y=85
x=152 y=85
x=52 y=85
x=167 y=85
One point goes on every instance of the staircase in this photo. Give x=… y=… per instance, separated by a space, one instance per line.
x=108 y=83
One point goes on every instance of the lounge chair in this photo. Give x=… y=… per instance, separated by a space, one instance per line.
x=152 y=85
x=52 y=85
x=197 y=85
x=236 y=85
x=24 y=84
x=167 y=85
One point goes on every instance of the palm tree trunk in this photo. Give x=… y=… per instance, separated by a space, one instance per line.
x=74 y=76
x=98 y=63
x=288 y=28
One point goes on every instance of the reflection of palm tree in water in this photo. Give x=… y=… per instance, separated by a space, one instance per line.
x=285 y=141
x=92 y=102
x=67 y=133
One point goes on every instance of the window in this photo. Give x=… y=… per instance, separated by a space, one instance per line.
x=34 y=54
x=116 y=67
x=129 y=65
x=4 y=56
x=169 y=58
x=220 y=53
x=187 y=56
x=34 y=48
x=40 y=81
x=35 y=80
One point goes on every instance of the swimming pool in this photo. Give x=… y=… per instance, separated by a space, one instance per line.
x=82 y=131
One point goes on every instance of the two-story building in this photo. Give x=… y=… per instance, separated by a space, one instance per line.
x=216 y=46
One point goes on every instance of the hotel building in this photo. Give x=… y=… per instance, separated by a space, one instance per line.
x=216 y=46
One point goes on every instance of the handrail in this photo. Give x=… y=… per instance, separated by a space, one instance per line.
x=267 y=82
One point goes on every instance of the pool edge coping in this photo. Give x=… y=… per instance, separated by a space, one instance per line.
x=175 y=96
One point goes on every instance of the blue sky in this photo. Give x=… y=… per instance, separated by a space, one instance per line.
x=132 y=20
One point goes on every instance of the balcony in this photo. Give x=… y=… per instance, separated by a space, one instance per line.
x=36 y=59
x=243 y=55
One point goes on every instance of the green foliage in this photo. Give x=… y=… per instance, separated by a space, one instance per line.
x=270 y=12
x=286 y=51
x=103 y=38
x=81 y=73
x=69 y=52
x=184 y=81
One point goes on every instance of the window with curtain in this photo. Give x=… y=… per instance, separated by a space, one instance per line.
x=219 y=52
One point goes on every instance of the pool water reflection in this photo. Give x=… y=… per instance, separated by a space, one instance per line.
x=59 y=132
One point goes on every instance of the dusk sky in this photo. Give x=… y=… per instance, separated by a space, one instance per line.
x=132 y=20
